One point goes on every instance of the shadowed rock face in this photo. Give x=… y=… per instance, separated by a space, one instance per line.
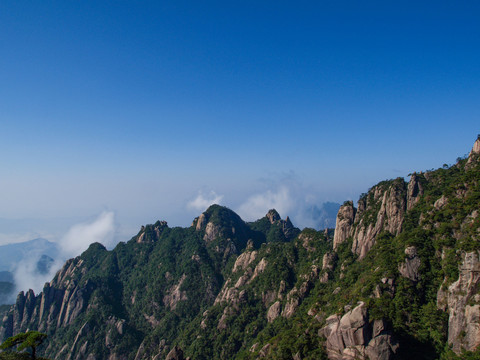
x=414 y=190
x=410 y=268
x=273 y=216
x=474 y=152
x=391 y=204
x=175 y=354
x=463 y=304
x=61 y=301
x=382 y=209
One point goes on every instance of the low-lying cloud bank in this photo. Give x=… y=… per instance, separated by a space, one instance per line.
x=302 y=207
x=27 y=274
x=288 y=196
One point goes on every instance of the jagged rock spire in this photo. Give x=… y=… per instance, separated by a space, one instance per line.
x=273 y=216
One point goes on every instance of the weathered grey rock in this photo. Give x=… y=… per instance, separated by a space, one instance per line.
x=389 y=217
x=273 y=311
x=268 y=297
x=354 y=326
x=476 y=147
x=410 y=268
x=211 y=232
x=463 y=305
x=273 y=216
x=201 y=221
x=244 y=260
x=306 y=241
x=352 y=336
x=260 y=268
x=293 y=301
x=474 y=153
x=414 y=190
x=296 y=295
x=286 y=225
x=174 y=295
x=343 y=224
x=328 y=261
x=441 y=202
x=264 y=351
x=175 y=354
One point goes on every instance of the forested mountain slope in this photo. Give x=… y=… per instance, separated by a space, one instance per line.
x=398 y=279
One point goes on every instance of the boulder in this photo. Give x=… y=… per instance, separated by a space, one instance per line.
x=353 y=336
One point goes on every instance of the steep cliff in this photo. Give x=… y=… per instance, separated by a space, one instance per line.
x=383 y=208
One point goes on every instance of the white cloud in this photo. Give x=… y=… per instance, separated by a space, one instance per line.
x=202 y=201
x=256 y=206
x=75 y=241
x=80 y=236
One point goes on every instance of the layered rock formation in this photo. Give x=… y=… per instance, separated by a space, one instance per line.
x=462 y=301
x=383 y=208
x=353 y=336
x=344 y=223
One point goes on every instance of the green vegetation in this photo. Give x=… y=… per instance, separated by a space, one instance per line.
x=187 y=287
x=14 y=346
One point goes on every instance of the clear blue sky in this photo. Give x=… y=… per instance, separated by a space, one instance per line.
x=141 y=107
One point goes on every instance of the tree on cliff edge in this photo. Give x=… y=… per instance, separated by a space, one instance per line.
x=22 y=341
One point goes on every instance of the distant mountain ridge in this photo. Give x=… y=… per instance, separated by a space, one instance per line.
x=397 y=279
x=38 y=252
x=11 y=254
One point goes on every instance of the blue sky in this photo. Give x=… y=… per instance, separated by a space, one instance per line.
x=141 y=108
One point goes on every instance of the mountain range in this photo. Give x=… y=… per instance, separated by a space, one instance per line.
x=38 y=252
x=398 y=278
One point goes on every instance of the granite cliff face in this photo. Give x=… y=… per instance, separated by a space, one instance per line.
x=383 y=208
x=344 y=223
x=462 y=302
x=439 y=207
x=354 y=336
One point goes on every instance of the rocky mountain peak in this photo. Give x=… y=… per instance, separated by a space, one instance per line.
x=344 y=223
x=475 y=152
x=476 y=147
x=273 y=216
x=151 y=233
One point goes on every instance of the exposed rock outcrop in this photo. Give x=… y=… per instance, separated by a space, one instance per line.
x=390 y=200
x=245 y=259
x=273 y=216
x=344 y=223
x=201 y=222
x=328 y=261
x=475 y=152
x=328 y=264
x=274 y=311
x=175 y=294
x=296 y=295
x=352 y=336
x=441 y=202
x=175 y=354
x=60 y=303
x=410 y=268
x=286 y=225
x=462 y=302
x=414 y=190
x=151 y=233
x=211 y=232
